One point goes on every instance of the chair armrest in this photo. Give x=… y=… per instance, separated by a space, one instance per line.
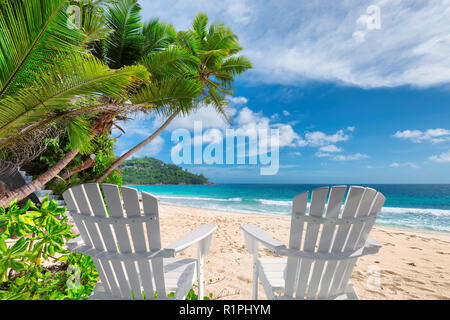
x=259 y=235
x=74 y=243
x=372 y=245
x=202 y=232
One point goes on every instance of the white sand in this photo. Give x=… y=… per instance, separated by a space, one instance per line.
x=413 y=264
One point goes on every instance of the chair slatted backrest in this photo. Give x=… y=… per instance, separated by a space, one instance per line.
x=308 y=278
x=118 y=231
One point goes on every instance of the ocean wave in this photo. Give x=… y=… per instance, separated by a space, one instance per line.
x=287 y=203
x=198 y=198
x=432 y=212
x=275 y=202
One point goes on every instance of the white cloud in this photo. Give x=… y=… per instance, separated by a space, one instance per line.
x=237 y=101
x=340 y=157
x=331 y=148
x=318 y=138
x=240 y=10
x=247 y=121
x=350 y=157
x=286 y=113
x=404 y=164
x=322 y=154
x=442 y=158
x=326 y=40
x=212 y=136
x=431 y=135
x=207 y=115
x=394 y=165
x=359 y=36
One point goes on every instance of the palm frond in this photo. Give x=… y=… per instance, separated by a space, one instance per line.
x=189 y=41
x=29 y=147
x=124 y=44
x=30 y=33
x=222 y=38
x=172 y=62
x=218 y=102
x=94 y=26
x=157 y=36
x=169 y=96
x=200 y=24
x=80 y=135
x=73 y=75
x=236 y=65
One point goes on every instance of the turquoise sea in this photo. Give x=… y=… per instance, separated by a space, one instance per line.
x=412 y=206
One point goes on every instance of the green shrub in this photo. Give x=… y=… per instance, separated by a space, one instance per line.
x=40 y=234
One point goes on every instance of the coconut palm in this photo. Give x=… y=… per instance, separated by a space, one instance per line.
x=121 y=24
x=216 y=47
x=43 y=69
x=212 y=62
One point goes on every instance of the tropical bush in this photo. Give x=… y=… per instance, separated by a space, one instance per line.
x=39 y=235
x=103 y=150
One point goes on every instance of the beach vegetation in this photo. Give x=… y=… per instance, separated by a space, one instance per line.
x=35 y=263
x=45 y=72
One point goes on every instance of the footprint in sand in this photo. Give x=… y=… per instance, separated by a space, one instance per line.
x=389 y=272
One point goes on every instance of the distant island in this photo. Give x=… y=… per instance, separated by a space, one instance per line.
x=153 y=171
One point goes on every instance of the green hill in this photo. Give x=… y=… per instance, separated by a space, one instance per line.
x=153 y=171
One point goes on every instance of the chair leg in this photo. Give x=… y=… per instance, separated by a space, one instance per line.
x=255 y=276
x=200 y=272
x=351 y=292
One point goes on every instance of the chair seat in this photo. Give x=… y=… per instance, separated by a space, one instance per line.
x=272 y=269
x=272 y=273
x=179 y=276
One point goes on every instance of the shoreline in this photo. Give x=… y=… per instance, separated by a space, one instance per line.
x=410 y=264
x=435 y=233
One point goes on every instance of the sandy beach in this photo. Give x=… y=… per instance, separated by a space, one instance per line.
x=413 y=264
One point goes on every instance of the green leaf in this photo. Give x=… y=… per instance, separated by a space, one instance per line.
x=124 y=43
x=19 y=246
x=18 y=265
x=32 y=31
x=48 y=100
x=3 y=247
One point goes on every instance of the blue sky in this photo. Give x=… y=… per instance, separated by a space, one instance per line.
x=354 y=103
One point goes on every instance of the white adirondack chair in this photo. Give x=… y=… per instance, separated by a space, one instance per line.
x=125 y=245
x=324 y=244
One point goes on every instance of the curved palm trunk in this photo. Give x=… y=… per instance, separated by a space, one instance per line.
x=136 y=148
x=36 y=184
x=88 y=163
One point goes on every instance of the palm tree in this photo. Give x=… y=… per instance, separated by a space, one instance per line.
x=43 y=70
x=153 y=45
x=216 y=65
x=216 y=47
x=126 y=42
